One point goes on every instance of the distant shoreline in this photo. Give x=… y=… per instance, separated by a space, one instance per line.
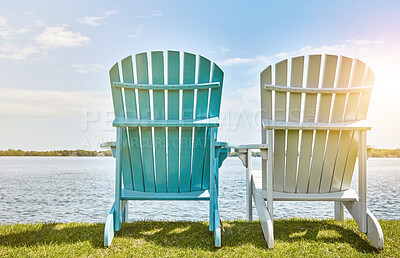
x=55 y=153
x=229 y=156
x=372 y=153
x=25 y=156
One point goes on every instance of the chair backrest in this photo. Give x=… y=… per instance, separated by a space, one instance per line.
x=166 y=159
x=315 y=161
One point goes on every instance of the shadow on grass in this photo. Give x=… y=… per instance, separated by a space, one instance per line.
x=322 y=231
x=193 y=235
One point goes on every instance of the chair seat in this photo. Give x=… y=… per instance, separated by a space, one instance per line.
x=186 y=196
x=348 y=195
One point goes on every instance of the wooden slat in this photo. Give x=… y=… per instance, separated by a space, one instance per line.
x=294 y=115
x=189 y=71
x=314 y=65
x=173 y=113
x=136 y=171
x=329 y=162
x=120 y=112
x=266 y=113
x=350 y=161
x=353 y=98
x=146 y=133
x=126 y=168
x=365 y=96
x=214 y=109
x=157 y=66
x=337 y=116
x=118 y=102
x=351 y=114
x=200 y=133
x=323 y=116
x=280 y=115
x=216 y=93
x=333 y=136
x=343 y=152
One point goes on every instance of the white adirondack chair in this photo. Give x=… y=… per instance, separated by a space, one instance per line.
x=310 y=145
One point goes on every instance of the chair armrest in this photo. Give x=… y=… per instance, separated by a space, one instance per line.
x=221 y=151
x=107 y=145
x=243 y=151
x=221 y=144
x=252 y=146
x=110 y=145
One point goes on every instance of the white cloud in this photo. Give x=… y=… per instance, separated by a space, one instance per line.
x=255 y=64
x=14 y=52
x=58 y=36
x=40 y=23
x=51 y=37
x=225 y=49
x=153 y=14
x=157 y=13
x=9 y=49
x=5 y=29
x=20 y=103
x=22 y=30
x=95 y=20
x=79 y=68
x=236 y=60
x=352 y=48
x=7 y=32
x=136 y=32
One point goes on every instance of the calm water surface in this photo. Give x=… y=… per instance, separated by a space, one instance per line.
x=66 y=189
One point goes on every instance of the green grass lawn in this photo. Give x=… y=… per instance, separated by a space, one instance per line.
x=293 y=237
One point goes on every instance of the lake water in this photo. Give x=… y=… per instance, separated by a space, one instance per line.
x=66 y=189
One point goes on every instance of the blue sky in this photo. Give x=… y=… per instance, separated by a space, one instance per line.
x=55 y=56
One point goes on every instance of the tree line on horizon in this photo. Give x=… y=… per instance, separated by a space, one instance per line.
x=375 y=153
x=66 y=153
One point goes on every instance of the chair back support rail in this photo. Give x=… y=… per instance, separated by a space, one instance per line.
x=166 y=103
x=316 y=89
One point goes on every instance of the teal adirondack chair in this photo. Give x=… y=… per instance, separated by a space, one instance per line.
x=166 y=121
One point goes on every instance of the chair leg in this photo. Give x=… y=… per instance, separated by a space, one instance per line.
x=118 y=185
x=362 y=179
x=109 y=228
x=211 y=215
x=124 y=206
x=117 y=215
x=265 y=216
x=339 y=211
x=217 y=229
x=217 y=237
x=212 y=190
x=249 y=204
x=374 y=230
